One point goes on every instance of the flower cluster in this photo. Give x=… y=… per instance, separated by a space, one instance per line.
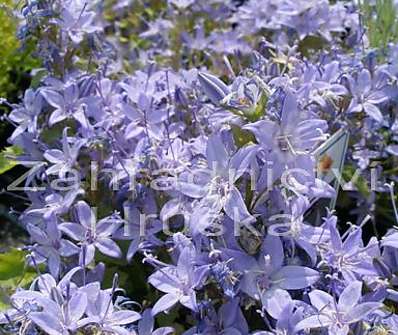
x=209 y=166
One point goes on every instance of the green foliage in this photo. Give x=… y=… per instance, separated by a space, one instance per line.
x=241 y=136
x=310 y=45
x=14 y=62
x=381 y=22
x=13 y=273
x=7 y=158
x=126 y=27
x=258 y=111
x=351 y=174
x=12 y=264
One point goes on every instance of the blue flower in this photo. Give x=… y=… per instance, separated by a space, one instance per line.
x=338 y=316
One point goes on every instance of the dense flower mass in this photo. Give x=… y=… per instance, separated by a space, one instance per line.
x=184 y=160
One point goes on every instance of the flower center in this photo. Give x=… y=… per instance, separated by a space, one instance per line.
x=284 y=144
x=263 y=282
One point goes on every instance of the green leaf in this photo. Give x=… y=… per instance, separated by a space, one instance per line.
x=13 y=274
x=257 y=111
x=359 y=182
x=12 y=264
x=7 y=158
x=15 y=62
x=311 y=44
x=381 y=23
x=39 y=74
x=241 y=136
x=15 y=282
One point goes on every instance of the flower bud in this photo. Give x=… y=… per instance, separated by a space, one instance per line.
x=213 y=87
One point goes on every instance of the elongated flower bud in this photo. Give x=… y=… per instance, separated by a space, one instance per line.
x=213 y=87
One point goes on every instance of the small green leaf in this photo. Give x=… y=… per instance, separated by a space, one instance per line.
x=9 y=286
x=241 y=136
x=12 y=264
x=13 y=274
x=18 y=281
x=359 y=182
x=37 y=77
x=7 y=158
x=260 y=108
